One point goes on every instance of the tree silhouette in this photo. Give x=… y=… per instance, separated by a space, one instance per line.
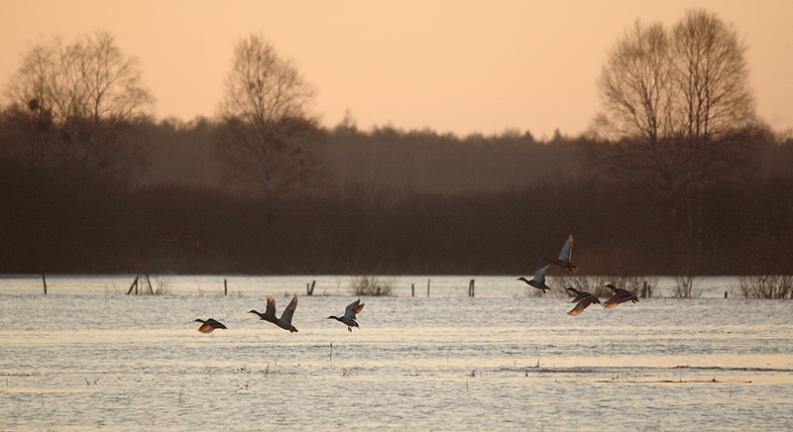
x=84 y=94
x=266 y=131
x=679 y=106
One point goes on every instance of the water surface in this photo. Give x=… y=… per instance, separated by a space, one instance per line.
x=88 y=357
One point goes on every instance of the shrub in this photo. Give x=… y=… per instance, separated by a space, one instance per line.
x=767 y=286
x=684 y=287
x=372 y=286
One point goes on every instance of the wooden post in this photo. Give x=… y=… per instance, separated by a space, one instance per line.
x=134 y=285
x=225 y=288
x=151 y=290
x=412 y=290
x=428 y=287
x=471 y=288
x=310 y=289
x=725 y=294
x=44 y=282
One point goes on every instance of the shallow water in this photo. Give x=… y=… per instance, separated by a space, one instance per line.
x=88 y=357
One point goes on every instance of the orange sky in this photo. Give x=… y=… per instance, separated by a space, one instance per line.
x=459 y=66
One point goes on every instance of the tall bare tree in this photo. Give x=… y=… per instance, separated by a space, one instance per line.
x=637 y=91
x=88 y=91
x=679 y=105
x=266 y=128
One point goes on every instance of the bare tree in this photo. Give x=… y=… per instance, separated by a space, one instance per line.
x=679 y=106
x=88 y=91
x=637 y=91
x=266 y=129
x=714 y=108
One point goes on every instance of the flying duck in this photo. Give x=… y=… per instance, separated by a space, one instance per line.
x=210 y=325
x=538 y=280
x=349 y=314
x=285 y=321
x=565 y=259
x=584 y=300
x=620 y=296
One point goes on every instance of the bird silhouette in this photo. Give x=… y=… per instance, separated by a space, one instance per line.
x=538 y=280
x=285 y=321
x=210 y=325
x=619 y=297
x=583 y=300
x=565 y=259
x=350 y=313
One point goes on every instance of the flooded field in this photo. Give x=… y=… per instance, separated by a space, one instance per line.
x=88 y=357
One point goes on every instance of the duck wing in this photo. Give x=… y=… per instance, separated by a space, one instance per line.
x=618 y=299
x=581 y=305
x=215 y=324
x=567 y=250
x=539 y=274
x=353 y=309
x=289 y=311
x=270 y=306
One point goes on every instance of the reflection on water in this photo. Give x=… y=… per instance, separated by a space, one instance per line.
x=86 y=357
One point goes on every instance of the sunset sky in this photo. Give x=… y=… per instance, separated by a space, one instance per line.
x=459 y=66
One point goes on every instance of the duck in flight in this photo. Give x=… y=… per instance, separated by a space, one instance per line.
x=353 y=309
x=582 y=299
x=210 y=325
x=538 y=280
x=619 y=297
x=565 y=259
x=285 y=321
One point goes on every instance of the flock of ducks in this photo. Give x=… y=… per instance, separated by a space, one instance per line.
x=582 y=299
x=285 y=320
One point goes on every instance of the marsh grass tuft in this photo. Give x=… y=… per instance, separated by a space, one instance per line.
x=372 y=286
x=767 y=287
x=684 y=287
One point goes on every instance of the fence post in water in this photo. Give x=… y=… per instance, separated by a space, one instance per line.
x=471 y=287
x=412 y=289
x=428 y=287
x=225 y=288
x=725 y=294
x=310 y=290
x=133 y=285
x=151 y=290
x=44 y=282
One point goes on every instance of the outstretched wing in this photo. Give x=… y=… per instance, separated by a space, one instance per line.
x=353 y=309
x=270 y=306
x=289 y=311
x=216 y=324
x=567 y=250
x=579 y=308
x=539 y=274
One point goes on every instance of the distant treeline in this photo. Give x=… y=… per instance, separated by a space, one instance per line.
x=388 y=201
x=184 y=153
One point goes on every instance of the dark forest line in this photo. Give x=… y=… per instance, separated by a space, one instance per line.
x=69 y=221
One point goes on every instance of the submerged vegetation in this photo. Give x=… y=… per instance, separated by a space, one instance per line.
x=685 y=287
x=767 y=287
x=373 y=286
